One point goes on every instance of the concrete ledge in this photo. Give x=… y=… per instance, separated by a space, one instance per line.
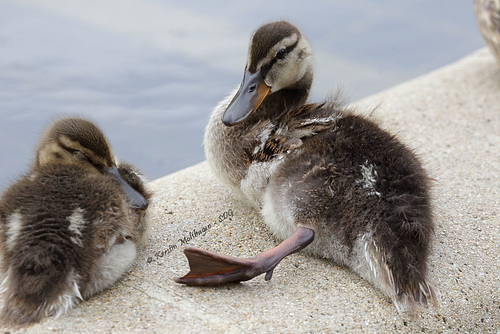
x=451 y=117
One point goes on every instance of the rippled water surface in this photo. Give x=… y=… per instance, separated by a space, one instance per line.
x=149 y=72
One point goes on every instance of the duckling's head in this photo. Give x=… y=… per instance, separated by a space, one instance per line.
x=76 y=141
x=279 y=58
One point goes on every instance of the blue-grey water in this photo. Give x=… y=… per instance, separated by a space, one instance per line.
x=149 y=72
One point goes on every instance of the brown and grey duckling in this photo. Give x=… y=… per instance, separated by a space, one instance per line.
x=323 y=178
x=488 y=20
x=70 y=227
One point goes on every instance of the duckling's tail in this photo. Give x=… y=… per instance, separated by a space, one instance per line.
x=39 y=282
x=402 y=275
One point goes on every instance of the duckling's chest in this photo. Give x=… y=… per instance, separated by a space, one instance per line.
x=256 y=180
x=264 y=158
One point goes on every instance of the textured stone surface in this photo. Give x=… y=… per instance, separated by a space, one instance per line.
x=450 y=116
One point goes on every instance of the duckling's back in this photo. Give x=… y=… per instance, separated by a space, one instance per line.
x=368 y=199
x=55 y=226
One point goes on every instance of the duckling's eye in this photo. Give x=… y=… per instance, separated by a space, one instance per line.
x=80 y=155
x=281 y=54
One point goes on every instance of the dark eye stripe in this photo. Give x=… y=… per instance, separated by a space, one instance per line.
x=67 y=148
x=73 y=151
x=291 y=47
x=288 y=49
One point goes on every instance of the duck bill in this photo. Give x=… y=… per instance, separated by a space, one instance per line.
x=253 y=90
x=134 y=197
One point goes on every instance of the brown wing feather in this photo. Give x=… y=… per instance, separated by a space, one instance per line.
x=299 y=123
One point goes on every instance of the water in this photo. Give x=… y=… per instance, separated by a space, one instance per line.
x=149 y=72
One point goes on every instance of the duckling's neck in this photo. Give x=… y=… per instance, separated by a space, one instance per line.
x=226 y=147
x=276 y=104
x=282 y=101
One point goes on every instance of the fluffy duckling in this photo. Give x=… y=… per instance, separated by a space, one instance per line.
x=69 y=228
x=323 y=178
x=488 y=19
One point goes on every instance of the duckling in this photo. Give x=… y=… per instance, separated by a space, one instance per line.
x=69 y=228
x=488 y=19
x=323 y=178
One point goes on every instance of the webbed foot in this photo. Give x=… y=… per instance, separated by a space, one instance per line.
x=208 y=268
